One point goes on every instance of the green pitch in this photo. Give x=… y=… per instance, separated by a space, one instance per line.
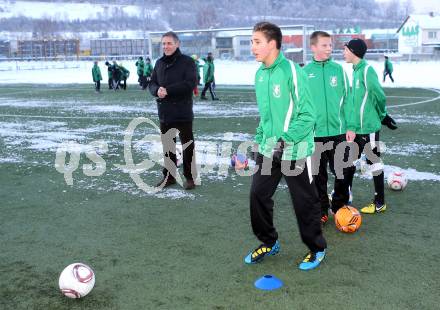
x=184 y=250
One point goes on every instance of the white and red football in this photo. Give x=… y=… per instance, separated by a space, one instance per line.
x=397 y=180
x=76 y=280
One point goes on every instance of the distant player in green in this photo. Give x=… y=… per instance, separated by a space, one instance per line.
x=368 y=114
x=140 y=70
x=329 y=85
x=148 y=71
x=124 y=74
x=208 y=77
x=388 y=69
x=285 y=145
x=97 y=77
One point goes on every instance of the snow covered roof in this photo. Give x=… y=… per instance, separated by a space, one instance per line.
x=293 y=50
x=234 y=33
x=370 y=33
x=430 y=21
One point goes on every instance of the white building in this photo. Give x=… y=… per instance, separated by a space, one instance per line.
x=420 y=34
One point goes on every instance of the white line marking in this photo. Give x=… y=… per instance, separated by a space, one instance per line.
x=419 y=102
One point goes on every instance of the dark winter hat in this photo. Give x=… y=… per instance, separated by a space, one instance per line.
x=141 y=58
x=357 y=47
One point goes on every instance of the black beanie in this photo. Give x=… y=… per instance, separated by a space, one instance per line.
x=357 y=47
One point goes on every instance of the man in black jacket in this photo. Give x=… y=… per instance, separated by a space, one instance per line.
x=173 y=80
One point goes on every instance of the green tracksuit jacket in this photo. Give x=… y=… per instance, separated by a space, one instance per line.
x=286 y=109
x=330 y=89
x=368 y=100
x=208 y=71
x=388 y=66
x=140 y=67
x=148 y=69
x=96 y=73
x=124 y=72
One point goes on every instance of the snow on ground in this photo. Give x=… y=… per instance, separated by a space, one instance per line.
x=406 y=74
x=213 y=152
x=410 y=173
x=44 y=136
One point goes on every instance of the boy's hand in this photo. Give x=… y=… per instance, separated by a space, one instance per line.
x=350 y=135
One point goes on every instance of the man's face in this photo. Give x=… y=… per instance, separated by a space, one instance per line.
x=323 y=48
x=261 y=48
x=348 y=55
x=169 y=46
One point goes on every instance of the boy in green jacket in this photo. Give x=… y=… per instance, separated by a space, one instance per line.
x=97 y=77
x=140 y=64
x=285 y=145
x=388 y=69
x=208 y=77
x=124 y=75
x=329 y=84
x=368 y=114
x=148 y=71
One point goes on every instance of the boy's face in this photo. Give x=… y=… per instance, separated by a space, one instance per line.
x=261 y=48
x=348 y=55
x=323 y=48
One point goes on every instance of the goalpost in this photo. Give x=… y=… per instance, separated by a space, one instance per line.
x=234 y=43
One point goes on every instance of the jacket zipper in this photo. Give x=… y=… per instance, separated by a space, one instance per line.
x=325 y=96
x=270 y=104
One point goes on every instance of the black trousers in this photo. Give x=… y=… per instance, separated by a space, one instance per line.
x=146 y=81
x=124 y=85
x=385 y=75
x=369 y=143
x=141 y=79
x=321 y=160
x=98 y=85
x=304 y=198
x=169 y=149
x=211 y=90
x=110 y=83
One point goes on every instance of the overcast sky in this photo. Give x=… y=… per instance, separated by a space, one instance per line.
x=422 y=6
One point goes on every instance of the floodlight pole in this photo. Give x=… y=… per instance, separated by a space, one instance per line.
x=150 y=47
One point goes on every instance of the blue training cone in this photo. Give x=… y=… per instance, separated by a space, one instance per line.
x=268 y=283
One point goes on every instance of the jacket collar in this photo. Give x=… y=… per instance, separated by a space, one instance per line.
x=321 y=62
x=275 y=63
x=171 y=58
x=360 y=65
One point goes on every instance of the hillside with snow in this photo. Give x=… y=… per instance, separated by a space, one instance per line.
x=97 y=15
x=68 y=11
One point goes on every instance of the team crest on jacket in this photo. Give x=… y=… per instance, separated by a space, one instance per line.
x=276 y=90
x=333 y=81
